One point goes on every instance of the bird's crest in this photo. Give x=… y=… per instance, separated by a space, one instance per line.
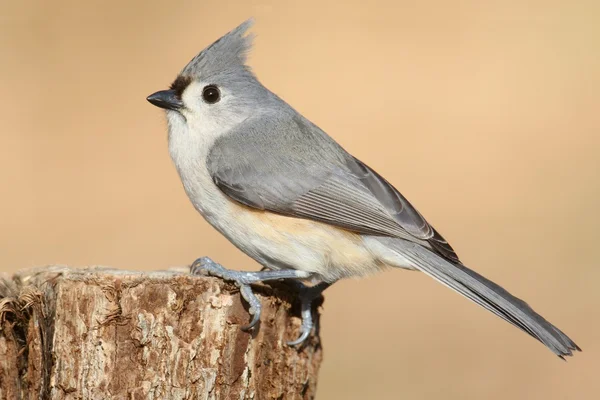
x=227 y=53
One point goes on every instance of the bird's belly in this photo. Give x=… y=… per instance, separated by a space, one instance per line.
x=285 y=242
x=278 y=241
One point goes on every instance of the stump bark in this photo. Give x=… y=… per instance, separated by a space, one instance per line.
x=109 y=334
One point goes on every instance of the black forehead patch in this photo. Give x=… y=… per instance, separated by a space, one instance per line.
x=180 y=84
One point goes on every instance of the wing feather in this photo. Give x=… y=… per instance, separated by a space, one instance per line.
x=289 y=166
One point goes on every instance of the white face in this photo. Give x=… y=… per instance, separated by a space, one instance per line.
x=206 y=119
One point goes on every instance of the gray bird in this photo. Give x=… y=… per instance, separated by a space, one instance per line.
x=290 y=197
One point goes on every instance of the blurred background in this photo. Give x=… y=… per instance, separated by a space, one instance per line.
x=484 y=114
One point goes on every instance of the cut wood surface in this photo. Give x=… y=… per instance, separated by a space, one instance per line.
x=99 y=333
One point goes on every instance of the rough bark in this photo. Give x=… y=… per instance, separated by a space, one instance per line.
x=109 y=334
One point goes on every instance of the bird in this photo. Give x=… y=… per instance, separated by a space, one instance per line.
x=289 y=196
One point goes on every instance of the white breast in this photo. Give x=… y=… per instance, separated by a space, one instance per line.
x=189 y=151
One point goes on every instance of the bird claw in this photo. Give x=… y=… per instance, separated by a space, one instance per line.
x=307 y=320
x=307 y=295
x=207 y=267
x=255 y=307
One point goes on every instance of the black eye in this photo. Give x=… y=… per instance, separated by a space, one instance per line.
x=211 y=94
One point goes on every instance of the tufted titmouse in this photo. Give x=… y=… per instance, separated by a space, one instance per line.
x=289 y=196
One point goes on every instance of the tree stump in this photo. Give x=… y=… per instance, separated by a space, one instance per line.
x=99 y=333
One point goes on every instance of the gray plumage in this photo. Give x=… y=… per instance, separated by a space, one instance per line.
x=487 y=294
x=321 y=181
x=318 y=180
x=273 y=159
x=226 y=55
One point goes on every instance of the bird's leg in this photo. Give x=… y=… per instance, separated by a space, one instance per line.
x=307 y=295
x=243 y=279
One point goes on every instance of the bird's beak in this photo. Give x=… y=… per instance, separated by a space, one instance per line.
x=166 y=99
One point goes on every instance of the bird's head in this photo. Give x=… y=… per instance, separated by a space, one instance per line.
x=216 y=90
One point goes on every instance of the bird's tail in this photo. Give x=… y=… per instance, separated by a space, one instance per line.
x=487 y=294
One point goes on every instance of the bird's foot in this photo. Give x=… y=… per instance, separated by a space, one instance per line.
x=243 y=279
x=307 y=295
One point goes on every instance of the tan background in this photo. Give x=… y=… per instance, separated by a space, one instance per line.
x=485 y=114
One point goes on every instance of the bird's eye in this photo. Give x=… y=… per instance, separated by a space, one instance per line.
x=211 y=94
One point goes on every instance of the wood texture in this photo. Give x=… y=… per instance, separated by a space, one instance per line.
x=110 y=334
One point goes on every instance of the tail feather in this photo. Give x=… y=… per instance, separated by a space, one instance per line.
x=490 y=296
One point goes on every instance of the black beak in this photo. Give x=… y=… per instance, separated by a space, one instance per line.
x=166 y=99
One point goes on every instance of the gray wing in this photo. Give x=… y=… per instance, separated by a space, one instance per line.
x=289 y=166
